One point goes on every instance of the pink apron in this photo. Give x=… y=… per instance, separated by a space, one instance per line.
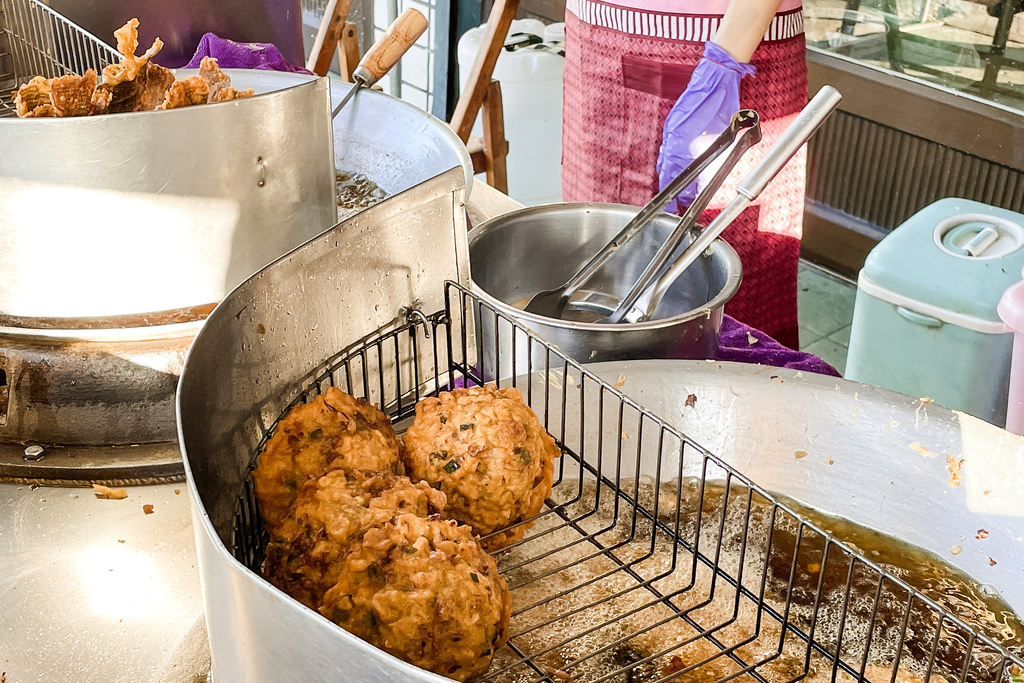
x=625 y=67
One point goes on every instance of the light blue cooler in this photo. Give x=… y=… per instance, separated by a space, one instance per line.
x=925 y=320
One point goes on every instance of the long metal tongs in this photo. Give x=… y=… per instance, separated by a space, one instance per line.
x=746 y=139
x=551 y=303
x=791 y=140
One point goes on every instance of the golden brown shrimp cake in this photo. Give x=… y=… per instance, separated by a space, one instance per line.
x=333 y=432
x=306 y=552
x=487 y=451
x=425 y=591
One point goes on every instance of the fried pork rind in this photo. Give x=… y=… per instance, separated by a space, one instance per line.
x=100 y=101
x=229 y=93
x=32 y=96
x=126 y=80
x=487 y=451
x=425 y=591
x=219 y=82
x=189 y=92
x=71 y=95
x=133 y=84
x=40 y=112
x=306 y=553
x=157 y=82
x=214 y=77
x=333 y=432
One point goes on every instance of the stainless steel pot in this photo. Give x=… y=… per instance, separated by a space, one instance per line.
x=516 y=255
x=154 y=211
x=391 y=142
x=157 y=211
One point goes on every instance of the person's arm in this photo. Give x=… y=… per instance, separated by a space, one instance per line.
x=744 y=25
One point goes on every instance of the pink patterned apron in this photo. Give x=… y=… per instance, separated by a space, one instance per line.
x=626 y=64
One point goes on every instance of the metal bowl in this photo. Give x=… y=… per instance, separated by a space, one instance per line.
x=516 y=255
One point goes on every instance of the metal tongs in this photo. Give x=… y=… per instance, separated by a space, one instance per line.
x=644 y=297
x=745 y=125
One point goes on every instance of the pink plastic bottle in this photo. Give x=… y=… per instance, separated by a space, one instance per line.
x=1011 y=310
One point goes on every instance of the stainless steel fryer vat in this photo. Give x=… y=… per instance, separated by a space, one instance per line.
x=628 y=489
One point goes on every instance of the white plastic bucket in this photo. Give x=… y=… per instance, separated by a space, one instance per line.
x=531 y=92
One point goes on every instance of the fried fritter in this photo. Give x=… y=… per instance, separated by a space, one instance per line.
x=306 y=552
x=32 y=96
x=71 y=95
x=488 y=453
x=189 y=92
x=425 y=591
x=333 y=432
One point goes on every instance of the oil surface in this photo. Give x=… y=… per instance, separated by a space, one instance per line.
x=356 y=191
x=603 y=592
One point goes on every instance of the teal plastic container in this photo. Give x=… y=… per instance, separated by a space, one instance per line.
x=925 y=321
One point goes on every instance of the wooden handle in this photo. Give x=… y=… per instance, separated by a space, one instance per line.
x=395 y=42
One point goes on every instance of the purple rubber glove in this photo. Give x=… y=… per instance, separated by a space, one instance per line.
x=232 y=55
x=700 y=115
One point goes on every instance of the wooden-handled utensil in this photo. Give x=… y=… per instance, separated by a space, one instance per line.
x=386 y=52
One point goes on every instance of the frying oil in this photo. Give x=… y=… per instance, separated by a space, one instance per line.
x=602 y=591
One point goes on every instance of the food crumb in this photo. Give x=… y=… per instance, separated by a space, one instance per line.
x=751 y=339
x=829 y=461
x=955 y=550
x=148 y=509
x=800 y=454
x=120 y=540
x=981 y=534
x=620 y=382
x=991 y=562
x=691 y=400
x=922 y=450
x=593 y=354
x=177 y=492
x=108 y=493
x=953 y=467
x=625 y=435
x=261 y=329
x=925 y=401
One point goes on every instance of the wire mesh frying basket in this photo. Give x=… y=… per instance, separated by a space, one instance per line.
x=36 y=41
x=653 y=560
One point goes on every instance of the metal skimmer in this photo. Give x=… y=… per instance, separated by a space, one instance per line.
x=653 y=559
x=36 y=41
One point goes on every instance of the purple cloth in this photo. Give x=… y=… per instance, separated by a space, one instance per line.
x=743 y=344
x=746 y=345
x=232 y=55
x=700 y=114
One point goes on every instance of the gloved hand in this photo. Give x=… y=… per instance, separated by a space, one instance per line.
x=700 y=115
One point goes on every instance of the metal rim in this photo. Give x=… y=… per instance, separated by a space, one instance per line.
x=732 y=283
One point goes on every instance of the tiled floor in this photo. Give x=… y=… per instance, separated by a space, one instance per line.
x=825 y=303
